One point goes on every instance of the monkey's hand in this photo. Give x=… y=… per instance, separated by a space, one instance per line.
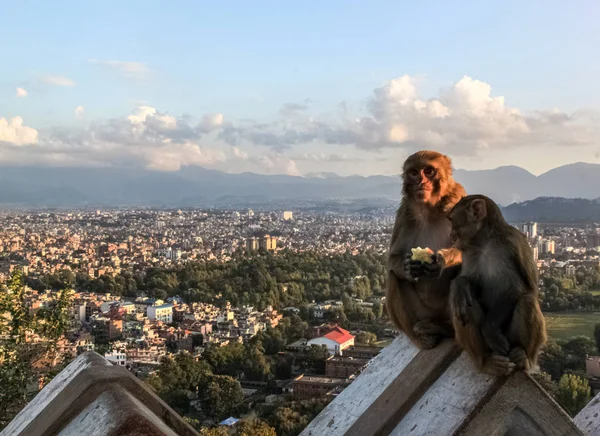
x=412 y=269
x=434 y=269
x=461 y=299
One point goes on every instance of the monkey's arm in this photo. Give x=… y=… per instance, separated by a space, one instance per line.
x=452 y=256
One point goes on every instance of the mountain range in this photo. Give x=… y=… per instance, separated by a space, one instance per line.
x=196 y=186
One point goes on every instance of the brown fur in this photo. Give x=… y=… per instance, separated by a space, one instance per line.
x=503 y=327
x=420 y=308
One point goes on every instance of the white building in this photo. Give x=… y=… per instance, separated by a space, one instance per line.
x=162 y=313
x=336 y=340
x=530 y=229
x=128 y=307
x=286 y=215
x=116 y=358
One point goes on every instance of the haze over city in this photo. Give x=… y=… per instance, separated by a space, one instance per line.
x=275 y=88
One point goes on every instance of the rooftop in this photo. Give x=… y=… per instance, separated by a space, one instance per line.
x=339 y=335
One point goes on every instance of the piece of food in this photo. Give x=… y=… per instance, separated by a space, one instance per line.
x=422 y=254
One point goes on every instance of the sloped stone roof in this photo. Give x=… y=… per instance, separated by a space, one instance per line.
x=408 y=392
x=92 y=397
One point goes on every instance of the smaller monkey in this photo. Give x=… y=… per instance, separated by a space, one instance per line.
x=494 y=300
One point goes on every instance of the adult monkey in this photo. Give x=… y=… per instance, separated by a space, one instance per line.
x=417 y=293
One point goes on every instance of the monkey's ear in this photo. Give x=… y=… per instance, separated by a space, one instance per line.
x=477 y=209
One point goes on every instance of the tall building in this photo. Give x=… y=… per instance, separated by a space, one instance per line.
x=286 y=215
x=593 y=241
x=268 y=243
x=547 y=246
x=251 y=244
x=535 y=252
x=530 y=229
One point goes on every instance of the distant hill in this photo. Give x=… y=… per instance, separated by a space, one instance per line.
x=554 y=210
x=196 y=186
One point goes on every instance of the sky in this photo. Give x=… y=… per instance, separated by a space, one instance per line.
x=273 y=87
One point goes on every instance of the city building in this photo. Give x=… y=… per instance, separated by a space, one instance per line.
x=336 y=340
x=530 y=229
x=547 y=246
x=305 y=387
x=116 y=358
x=593 y=241
x=251 y=244
x=163 y=313
x=286 y=215
x=343 y=366
x=268 y=243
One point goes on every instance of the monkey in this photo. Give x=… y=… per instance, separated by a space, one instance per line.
x=417 y=292
x=494 y=299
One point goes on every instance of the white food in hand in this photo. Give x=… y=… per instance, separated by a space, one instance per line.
x=422 y=254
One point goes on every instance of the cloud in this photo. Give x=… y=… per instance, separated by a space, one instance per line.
x=131 y=70
x=57 y=80
x=79 y=112
x=21 y=93
x=324 y=157
x=13 y=132
x=463 y=120
x=291 y=109
x=146 y=138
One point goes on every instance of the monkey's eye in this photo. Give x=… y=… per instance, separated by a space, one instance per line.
x=429 y=171
x=413 y=173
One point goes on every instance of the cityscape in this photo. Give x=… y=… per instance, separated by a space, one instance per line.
x=147 y=288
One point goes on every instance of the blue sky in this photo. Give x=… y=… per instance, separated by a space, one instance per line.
x=247 y=60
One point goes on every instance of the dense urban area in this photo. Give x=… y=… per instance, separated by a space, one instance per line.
x=241 y=320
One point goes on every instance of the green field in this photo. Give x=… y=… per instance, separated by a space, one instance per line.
x=566 y=325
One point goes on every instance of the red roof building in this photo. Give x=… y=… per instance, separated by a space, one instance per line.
x=336 y=340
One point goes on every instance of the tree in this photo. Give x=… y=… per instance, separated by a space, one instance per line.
x=222 y=397
x=366 y=338
x=22 y=362
x=577 y=349
x=573 y=393
x=179 y=378
x=215 y=431
x=546 y=382
x=597 y=336
x=552 y=360
x=254 y=427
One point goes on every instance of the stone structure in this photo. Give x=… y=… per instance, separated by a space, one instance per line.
x=407 y=392
x=93 y=397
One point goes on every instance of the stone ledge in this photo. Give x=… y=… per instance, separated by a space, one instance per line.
x=406 y=391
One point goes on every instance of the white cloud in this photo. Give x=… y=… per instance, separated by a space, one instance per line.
x=147 y=117
x=132 y=70
x=211 y=122
x=13 y=131
x=462 y=120
x=79 y=112
x=146 y=138
x=21 y=93
x=57 y=80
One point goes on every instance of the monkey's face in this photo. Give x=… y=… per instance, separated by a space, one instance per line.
x=423 y=181
x=467 y=219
